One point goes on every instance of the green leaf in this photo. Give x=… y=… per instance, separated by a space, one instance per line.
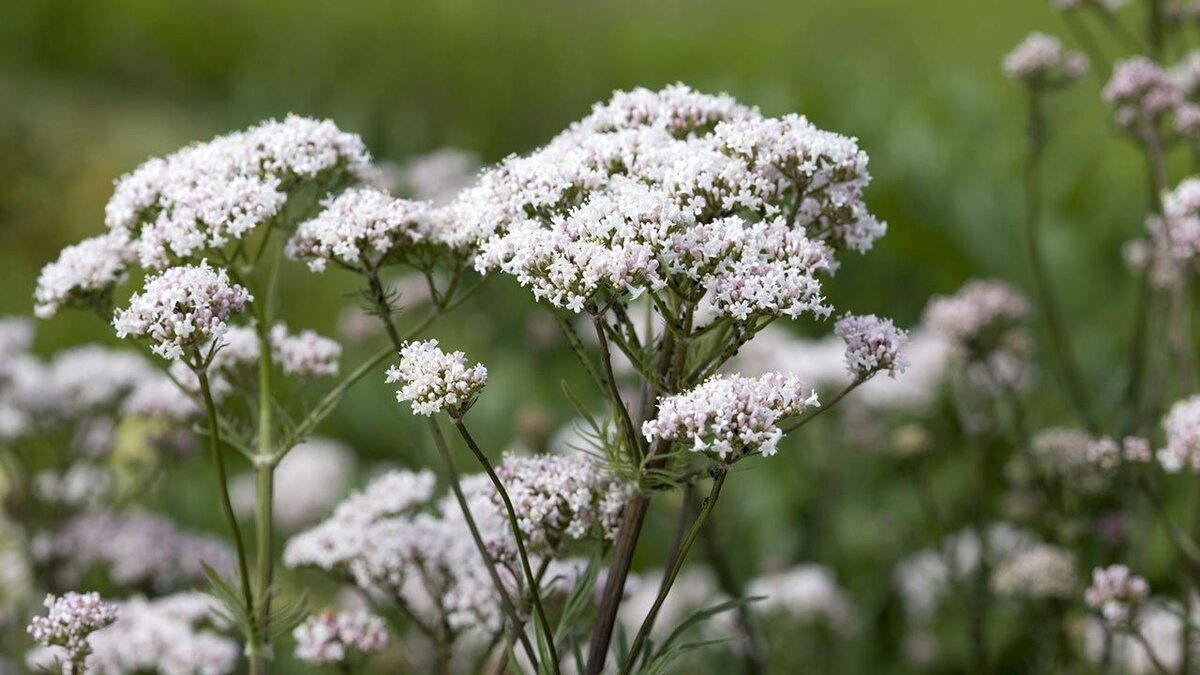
x=702 y=615
x=578 y=600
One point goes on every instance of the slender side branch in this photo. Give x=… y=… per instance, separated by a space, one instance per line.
x=456 y=486
x=534 y=593
x=1072 y=381
x=719 y=476
x=214 y=436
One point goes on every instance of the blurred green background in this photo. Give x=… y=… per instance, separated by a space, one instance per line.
x=90 y=89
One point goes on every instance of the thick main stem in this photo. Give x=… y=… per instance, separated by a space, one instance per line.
x=534 y=592
x=264 y=468
x=720 y=474
x=1071 y=379
x=214 y=435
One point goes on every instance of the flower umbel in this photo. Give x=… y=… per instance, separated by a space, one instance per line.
x=435 y=380
x=181 y=308
x=731 y=415
x=71 y=618
x=872 y=344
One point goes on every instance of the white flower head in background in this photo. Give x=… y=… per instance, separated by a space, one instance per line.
x=1116 y=594
x=331 y=638
x=1182 y=428
x=1041 y=60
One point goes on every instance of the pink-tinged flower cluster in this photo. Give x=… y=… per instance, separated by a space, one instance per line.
x=675 y=189
x=305 y=354
x=434 y=380
x=331 y=638
x=803 y=594
x=1176 y=233
x=137 y=550
x=558 y=499
x=359 y=229
x=83 y=276
x=730 y=416
x=164 y=635
x=1182 y=427
x=437 y=176
x=978 y=310
x=182 y=308
x=1108 y=454
x=1041 y=60
x=1042 y=571
x=71 y=619
x=872 y=345
x=393 y=540
x=1115 y=593
x=210 y=194
x=1140 y=92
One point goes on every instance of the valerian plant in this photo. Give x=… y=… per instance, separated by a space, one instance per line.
x=662 y=233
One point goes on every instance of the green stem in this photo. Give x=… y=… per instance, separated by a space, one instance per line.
x=534 y=592
x=214 y=436
x=264 y=467
x=1071 y=379
x=618 y=405
x=456 y=486
x=720 y=474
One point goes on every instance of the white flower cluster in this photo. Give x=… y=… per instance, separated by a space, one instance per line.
x=1176 y=234
x=923 y=579
x=305 y=354
x=84 y=275
x=395 y=539
x=84 y=386
x=434 y=380
x=557 y=499
x=437 y=176
x=309 y=480
x=135 y=550
x=70 y=621
x=1140 y=92
x=1063 y=450
x=978 y=310
x=872 y=344
x=209 y=194
x=926 y=354
x=359 y=229
x=729 y=416
x=1116 y=593
x=675 y=188
x=805 y=593
x=1108 y=454
x=1041 y=571
x=1182 y=427
x=1041 y=60
x=329 y=638
x=387 y=541
x=181 y=308
x=166 y=635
